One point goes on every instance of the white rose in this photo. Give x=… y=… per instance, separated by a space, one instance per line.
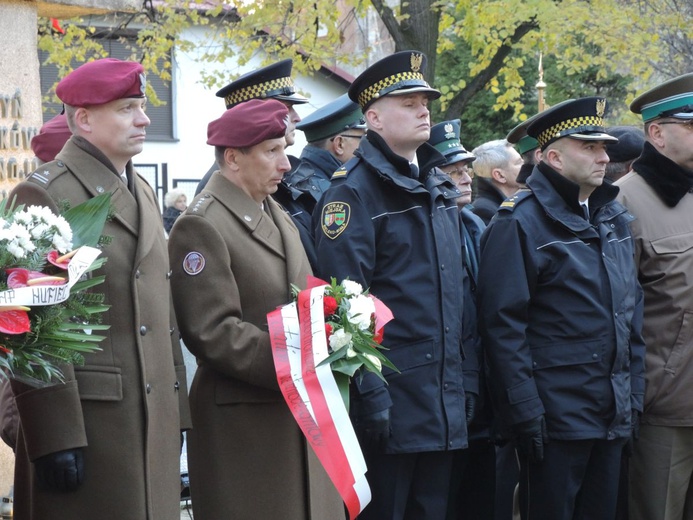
x=352 y=288
x=339 y=339
x=360 y=310
x=373 y=359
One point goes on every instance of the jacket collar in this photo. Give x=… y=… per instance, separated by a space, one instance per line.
x=559 y=197
x=670 y=181
x=247 y=212
x=98 y=175
x=485 y=186
x=375 y=151
x=322 y=163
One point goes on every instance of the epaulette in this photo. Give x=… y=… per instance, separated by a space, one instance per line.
x=341 y=172
x=345 y=168
x=200 y=204
x=47 y=173
x=511 y=203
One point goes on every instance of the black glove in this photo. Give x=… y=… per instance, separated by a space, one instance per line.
x=470 y=400
x=634 y=433
x=373 y=430
x=530 y=437
x=61 y=471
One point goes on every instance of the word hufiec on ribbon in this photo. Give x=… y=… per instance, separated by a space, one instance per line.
x=38 y=295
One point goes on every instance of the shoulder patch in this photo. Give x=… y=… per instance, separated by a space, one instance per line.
x=510 y=203
x=47 y=173
x=335 y=218
x=194 y=263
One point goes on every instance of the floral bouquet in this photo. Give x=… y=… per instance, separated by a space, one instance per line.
x=354 y=322
x=46 y=314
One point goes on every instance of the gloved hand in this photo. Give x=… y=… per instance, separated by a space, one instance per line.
x=61 y=471
x=530 y=437
x=373 y=430
x=634 y=433
x=470 y=400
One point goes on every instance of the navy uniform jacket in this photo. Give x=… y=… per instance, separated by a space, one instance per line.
x=314 y=171
x=474 y=378
x=401 y=238
x=561 y=310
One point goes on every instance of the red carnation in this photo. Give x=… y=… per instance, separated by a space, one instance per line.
x=328 y=331
x=329 y=304
x=378 y=336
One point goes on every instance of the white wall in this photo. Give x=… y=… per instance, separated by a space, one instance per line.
x=195 y=106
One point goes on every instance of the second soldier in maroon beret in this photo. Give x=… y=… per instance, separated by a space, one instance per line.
x=234 y=255
x=106 y=443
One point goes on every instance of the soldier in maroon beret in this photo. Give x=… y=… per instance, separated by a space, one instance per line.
x=235 y=253
x=106 y=443
x=51 y=138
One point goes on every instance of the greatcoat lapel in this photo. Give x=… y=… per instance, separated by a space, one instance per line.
x=97 y=178
x=248 y=213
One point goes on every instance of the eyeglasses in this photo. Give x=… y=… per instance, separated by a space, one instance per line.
x=688 y=123
x=459 y=171
x=351 y=135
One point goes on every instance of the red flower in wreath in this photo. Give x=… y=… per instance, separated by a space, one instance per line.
x=329 y=305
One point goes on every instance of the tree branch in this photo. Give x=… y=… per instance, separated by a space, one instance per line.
x=464 y=96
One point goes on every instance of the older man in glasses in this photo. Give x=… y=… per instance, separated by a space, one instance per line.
x=659 y=192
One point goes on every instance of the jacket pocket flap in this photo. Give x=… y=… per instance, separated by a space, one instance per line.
x=565 y=354
x=525 y=391
x=99 y=383
x=673 y=244
x=410 y=355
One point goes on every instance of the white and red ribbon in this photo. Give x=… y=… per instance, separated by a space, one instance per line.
x=299 y=344
x=52 y=294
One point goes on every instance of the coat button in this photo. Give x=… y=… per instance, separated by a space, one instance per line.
x=143 y=330
x=137 y=273
x=149 y=388
x=176 y=386
x=447 y=329
x=442 y=267
x=429 y=356
x=171 y=331
x=168 y=275
x=595 y=356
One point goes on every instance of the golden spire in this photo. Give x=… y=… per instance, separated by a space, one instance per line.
x=541 y=105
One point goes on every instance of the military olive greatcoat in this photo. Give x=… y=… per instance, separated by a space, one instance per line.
x=126 y=404
x=232 y=263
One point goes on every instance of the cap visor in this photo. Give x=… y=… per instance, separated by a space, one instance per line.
x=432 y=93
x=682 y=115
x=458 y=157
x=594 y=136
x=296 y=99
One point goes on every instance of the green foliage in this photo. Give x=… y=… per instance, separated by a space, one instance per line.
x=612 y=45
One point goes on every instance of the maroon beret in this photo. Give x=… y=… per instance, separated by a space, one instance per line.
x=51 y=138
x=248 y=124
x=102 y=81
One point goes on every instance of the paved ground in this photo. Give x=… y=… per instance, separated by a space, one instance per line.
x=186 y=512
